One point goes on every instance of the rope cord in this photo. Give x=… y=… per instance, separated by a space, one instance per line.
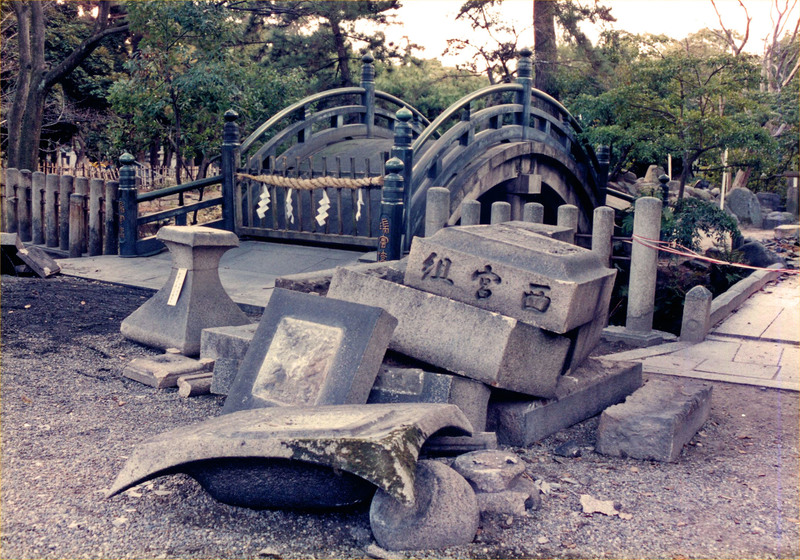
x=315 y=183
x=670 y=247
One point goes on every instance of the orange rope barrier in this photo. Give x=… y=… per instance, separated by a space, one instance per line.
x=670 y=247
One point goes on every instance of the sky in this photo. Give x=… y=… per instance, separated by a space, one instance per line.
x=431 y=22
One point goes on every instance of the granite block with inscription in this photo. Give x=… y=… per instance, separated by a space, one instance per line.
x=514 y=271
x=310 y=350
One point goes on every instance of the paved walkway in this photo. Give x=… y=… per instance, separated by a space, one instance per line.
x=759 y=344
x=247 y=272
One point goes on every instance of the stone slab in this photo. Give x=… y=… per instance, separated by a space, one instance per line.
x=656 y=421
x=785 y=231
x=447 y=516
x=642 y=339
x=456 y=445
x=396 y=384
x=592 y=387
x=510 y=270
x=42 y=264
x=260 y=458
x=227 y=346
x=310 y=350
x=488 y=347
x=163 y=371
x=559 y=233
x=317 y=282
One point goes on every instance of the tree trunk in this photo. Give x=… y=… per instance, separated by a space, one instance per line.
x=341 y=53
x=545 y=54
x=34 y=81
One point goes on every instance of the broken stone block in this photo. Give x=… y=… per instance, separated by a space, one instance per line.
x=581 y=394
x=786 y=231
x=193 y=385
x=466 y=340
x=521 y=497
x=489 y=471
x=395 y=384
x=16 y=255
x=310 y=350
x=298 y=456
x=656 y=421
x=227 y=346
x=444 y=514
x=163 y=371
x=193 y=298
x=510 y=270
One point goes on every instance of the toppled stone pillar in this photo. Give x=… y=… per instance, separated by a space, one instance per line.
x=656 y=421
x=696 y=314
x=193 y=298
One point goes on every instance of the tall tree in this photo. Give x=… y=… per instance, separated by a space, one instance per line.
x=36 y=78
x=545 y=53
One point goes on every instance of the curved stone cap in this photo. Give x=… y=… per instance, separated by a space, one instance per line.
x=379 y=442
x=198 y=236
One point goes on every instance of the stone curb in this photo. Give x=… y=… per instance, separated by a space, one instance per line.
x=724 y=304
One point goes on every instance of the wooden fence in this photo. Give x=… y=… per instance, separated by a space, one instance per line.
x=74 y=215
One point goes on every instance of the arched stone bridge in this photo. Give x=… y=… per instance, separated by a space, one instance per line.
x=504 y=142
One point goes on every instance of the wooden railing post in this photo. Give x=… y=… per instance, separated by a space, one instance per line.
x=403 y=151
x=77 y=224
x=37 y=206
x=524 y=77
x=51 y=211
x=24 y=205
x=230 y=158
x=12 y=181
x=81 y=185
x=390 y=224
x=110 y=244
x=128 y=208
x=95 y=245
x=65 y=186
x=368 y=83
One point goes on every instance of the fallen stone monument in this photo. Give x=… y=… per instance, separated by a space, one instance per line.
x=497 y=477
x=313 y=351
x=22 y=259
x=510 y=270
x=656 y=421
x=320 y=456
x=193 y=298
x=461 y=338
x=163 y=371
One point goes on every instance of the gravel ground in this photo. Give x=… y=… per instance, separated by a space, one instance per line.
x=69 y=420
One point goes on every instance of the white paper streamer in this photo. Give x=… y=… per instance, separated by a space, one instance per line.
x=359 y=204
x=263 y=202
x=289 y=208
x=324 y=206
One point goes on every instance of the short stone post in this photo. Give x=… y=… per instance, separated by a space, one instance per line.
x=77 y=224
x=24 y=205
x=95 y=242
x=644 y=265
x=11 y=182
x=602 y=232
x=128 y=207
x=51 y=211
x=437 y=209
x=470 y=213
x=696 y=314
x=193 y=298
x=568 y=217
x=391 y=221
x=533 y=212
x=65 y=188
x=501 y=212
x=110 y=245
x=792 y=199
x=37 y=206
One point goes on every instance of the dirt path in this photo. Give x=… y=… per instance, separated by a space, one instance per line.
x=69 y=420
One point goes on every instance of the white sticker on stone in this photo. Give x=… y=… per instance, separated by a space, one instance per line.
x=263 y=202
x=180 y=277
x=324 y=206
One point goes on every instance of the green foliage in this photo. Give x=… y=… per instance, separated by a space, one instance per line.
x=185 y=73
x=426 y=84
